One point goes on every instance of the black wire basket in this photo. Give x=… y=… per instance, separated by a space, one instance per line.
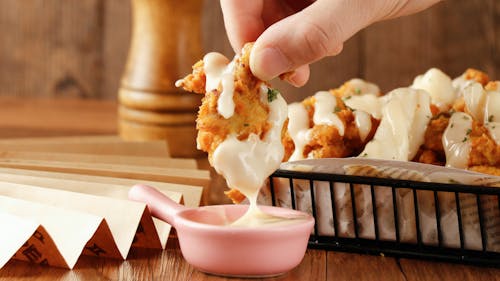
x=485 y=251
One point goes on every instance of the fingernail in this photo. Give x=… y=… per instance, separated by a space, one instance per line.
x=268 y=63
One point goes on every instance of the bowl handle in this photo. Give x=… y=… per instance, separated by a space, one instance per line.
x=158 y=203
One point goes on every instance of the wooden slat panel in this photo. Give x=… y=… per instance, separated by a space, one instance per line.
x=452 y=35
x=116 y=40
x=329 y=73
x=79 y=48
x=51 y=47
x=495 y=6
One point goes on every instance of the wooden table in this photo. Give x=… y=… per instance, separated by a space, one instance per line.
x=22 y=118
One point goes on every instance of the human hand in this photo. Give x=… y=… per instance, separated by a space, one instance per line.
x=291 y=34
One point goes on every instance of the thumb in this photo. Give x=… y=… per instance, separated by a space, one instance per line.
x=307 y=36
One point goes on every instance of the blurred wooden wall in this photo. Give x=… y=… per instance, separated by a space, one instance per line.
x=79 y=47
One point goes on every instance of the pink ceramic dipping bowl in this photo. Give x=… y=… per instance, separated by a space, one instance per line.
x=213 y=247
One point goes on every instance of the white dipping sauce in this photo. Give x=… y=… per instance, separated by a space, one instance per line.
x=492 y=115
x=456 y=140
x=475 y=99
x=325 y=107
x=438 y=85
x=218 y=70
x=405 y=115
x=484 y=106
x=362 y=87
x=245 y=164
x=368 y=103
x=363 y=122
x=298 y=129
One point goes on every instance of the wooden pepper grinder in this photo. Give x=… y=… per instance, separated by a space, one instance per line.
x=166 y=41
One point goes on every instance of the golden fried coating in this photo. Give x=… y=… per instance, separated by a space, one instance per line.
x=484 y=154
x=235 y=195
x=476 y=75
x=250 y=116
x=194 y=82
x=485 y=151
x=492 y=86
x=486 y=170
x=325 y=141
x=432 y=151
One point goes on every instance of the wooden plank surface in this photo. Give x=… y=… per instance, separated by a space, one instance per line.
x=37 y=117
x=396 y=51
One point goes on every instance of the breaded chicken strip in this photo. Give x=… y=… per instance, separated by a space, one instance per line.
x=484 y=154
x=325 y=141
x=250 y=115
x=215 y=76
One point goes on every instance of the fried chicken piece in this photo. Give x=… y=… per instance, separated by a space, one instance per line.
x=325 y=140
x=250 y=116
x=475 y=75
x=432 y=151
x=250 y=112
x=485 y=151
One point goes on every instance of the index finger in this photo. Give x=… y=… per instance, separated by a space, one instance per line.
x=243 y=21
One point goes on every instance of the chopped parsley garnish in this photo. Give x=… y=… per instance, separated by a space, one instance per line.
x=364 y=154
x=465 y=117
x=272 y=94
x=490 y=118
x=348 y=97
x=465 y=139
x=337 y=109
x=357 y=91
x=452 y=125
x=468 y=131
x=246 y=124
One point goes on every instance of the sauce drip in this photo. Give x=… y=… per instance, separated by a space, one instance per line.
x=219 y=71
x=492 y=115
x=405 y=115
x=298 y=129
x=324 y=111
x=456 y=140
x=245 y=164
x=363 y=122
x=475 y=99
x=368 y=103
x=438 y=85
